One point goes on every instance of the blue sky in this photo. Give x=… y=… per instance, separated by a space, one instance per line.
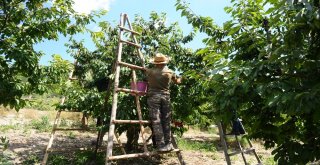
x=212 y=8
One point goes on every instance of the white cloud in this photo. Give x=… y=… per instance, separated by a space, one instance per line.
x=87 y=6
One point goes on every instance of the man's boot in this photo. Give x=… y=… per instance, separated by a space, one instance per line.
x=166 y=148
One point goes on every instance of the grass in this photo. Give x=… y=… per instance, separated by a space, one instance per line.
x=192 y=145
x=71 y=135
x=43 y=102
x=4 y=111
x=42 y=125
x=4 y=160
x=269 y=161
x=79 y=157
x=31 y=160
x=6 y=128
x=63 y=123
x=4 y=142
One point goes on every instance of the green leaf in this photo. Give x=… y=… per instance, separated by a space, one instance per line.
x=234 y=30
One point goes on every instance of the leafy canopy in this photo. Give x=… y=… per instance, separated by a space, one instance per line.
x=263 y=64
x=24 y=23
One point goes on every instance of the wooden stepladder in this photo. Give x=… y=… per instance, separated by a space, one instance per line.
x=55 y=128
x=124 y=20
x=241 y=150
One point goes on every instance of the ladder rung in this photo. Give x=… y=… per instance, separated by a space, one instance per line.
x=68 y=149
x=131 y=91
x=138 y=155
x=72 y=129
x=74 y=149
x=242 y=151
x=134 y=32
x=131 y=43
x=72 y=78
x=174 y=150
x=131 y=121
x=131 y=65
x=233 y=135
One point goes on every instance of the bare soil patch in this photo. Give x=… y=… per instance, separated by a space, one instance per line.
x=27 y=145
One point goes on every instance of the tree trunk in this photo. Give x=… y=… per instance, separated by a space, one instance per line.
x=132 y=138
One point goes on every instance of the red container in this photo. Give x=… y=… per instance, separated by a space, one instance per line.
x=141 y=86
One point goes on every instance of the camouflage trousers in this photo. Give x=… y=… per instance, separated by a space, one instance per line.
x=160 y=116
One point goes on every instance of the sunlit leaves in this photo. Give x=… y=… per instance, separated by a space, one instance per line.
x=271 y=54
x=22 y=25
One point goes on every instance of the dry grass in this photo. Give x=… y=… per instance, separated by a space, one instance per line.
x=4 y=111
x=36 y=114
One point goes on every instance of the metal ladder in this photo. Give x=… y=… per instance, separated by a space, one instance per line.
x=242 y=150
x=109 y=156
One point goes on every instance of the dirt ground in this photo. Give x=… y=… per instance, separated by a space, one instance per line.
x=26 y=143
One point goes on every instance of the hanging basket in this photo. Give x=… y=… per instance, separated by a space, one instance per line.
x=141 y=87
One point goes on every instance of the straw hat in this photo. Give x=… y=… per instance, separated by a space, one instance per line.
x=159 y=59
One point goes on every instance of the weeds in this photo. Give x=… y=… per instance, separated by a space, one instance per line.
x=5 y=128
x=43 y=125
x=4 y=143
x=269 y=161
x=58 y=160
x=80 y=157
x=31 y=160
x=43 y=102
x=63 y=123
x=206 y=146
x=71 y=135
x=4 y=160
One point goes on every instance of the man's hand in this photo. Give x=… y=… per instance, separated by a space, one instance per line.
x=179 y=80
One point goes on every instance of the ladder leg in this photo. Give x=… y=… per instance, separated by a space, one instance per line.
x=46 y=155
x=135 y=41
x=254 y=151
x=113 y=117
x=112 y=127
x=179 y=155
x=134 y=78
x=115 y=98
x=224 y=143
x=120 y=144
x=84 y=121
x=241 y=149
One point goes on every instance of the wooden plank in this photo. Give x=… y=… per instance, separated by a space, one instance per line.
x=131 y=121
x=130 y=91
x=241 y=149
x=146 y=154
x=115 y=97
x=75 y=149
x=246 y=151
x=134 y=32
x=131 y=65
x=74 y=129
x=71 y=78
x=178 y=152
x=131 y=43
x=254 y=151
x=224 y=143
x=56 y=121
